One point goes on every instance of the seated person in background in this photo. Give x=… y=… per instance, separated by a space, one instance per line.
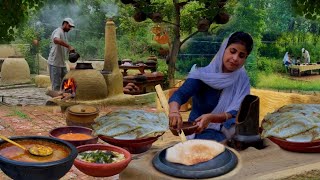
x=217 y=91
x=298 y=61
x=293 y=60
x=286 y=60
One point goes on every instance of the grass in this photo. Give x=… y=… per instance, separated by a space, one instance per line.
x=281 y=82
x=20 y=114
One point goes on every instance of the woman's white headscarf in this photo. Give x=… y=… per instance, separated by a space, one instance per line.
x=235 y=85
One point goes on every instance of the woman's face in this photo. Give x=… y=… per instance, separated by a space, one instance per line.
x=234 y=57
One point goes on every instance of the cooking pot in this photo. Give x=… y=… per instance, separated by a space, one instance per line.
x=84 y=66
x=81 y=115
x=73 y=56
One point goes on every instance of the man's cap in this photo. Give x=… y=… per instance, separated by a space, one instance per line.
x=70 y=21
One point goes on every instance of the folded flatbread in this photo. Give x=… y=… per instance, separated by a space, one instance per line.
x=294 y=123
x=131 y=124
x=194 y=151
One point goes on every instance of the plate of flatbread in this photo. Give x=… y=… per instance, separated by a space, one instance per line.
x=294 y=127
x=189 y=167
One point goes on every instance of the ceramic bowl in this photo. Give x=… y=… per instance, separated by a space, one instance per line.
x=74 y=129
x=313 y=147
x=38 y=170
x=134 y=146
x=187 y=127
x=102 y=170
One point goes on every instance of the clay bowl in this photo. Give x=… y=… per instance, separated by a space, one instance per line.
x=74 y=129
x=187 y=127
x=134 y=146
x=313 y=146
x=102 y=170
x=54 y=169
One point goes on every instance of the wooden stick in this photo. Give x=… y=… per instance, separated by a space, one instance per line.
x=162 y=99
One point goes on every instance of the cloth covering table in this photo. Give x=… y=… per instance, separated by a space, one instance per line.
x=297 y=70
x=269 y=163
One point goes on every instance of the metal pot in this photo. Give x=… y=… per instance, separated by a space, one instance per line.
x=73 y=57
x=84 y=66
x=81 y=115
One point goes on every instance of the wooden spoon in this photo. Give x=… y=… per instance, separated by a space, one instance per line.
x=164 y=103
x=37 y=150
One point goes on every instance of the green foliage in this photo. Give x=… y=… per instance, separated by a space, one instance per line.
x=163 y=68
x=12 y=14
x=252 y=70
x=270 y=65
x=184 y=65
x=271 y=50
x=280 y=16
x=19 y=113
x=90 y=48
x=26 y=36
x=201 y=44
x=135 y=47
x=293 y=42
x=280 y=82
x=309 y=9
x=189 y=18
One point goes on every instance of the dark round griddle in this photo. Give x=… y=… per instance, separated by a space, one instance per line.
x=222 y=164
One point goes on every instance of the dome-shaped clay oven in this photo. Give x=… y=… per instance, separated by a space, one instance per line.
x=90 y=84
x=15 y=71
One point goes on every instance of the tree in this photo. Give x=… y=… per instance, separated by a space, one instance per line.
x=13 y=13
x=182 y=16
x=310 y=9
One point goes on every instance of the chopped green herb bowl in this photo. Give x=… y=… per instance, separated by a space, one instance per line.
x=102 y=169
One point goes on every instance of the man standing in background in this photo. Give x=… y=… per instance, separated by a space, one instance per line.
x=305 y=56
x=59 y=49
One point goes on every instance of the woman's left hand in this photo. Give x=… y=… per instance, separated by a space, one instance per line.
x=203 y=121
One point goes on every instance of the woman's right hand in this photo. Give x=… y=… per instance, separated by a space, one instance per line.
x=175 y=120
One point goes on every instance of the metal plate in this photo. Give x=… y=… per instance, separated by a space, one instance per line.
x=222 y=164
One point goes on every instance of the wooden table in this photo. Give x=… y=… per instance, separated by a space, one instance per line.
x=141 y=68
x=297 y=70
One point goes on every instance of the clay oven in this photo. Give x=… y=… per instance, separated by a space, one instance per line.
x=90 y=84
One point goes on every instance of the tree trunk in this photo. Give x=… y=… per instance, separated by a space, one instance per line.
x=172 y=61
x=173 y=54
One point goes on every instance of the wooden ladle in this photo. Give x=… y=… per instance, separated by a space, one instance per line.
x=37 y=150
x=165 y=105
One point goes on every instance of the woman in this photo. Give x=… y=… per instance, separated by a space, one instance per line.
x=217 y=91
